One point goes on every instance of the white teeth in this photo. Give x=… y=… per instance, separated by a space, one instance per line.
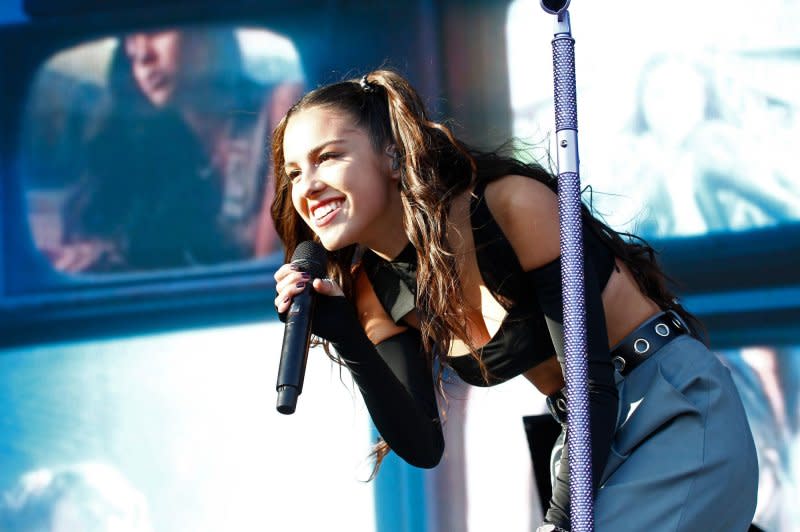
x=326 y=209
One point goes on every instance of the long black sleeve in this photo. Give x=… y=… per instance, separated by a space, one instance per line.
x=394 y=378
x=603 y=397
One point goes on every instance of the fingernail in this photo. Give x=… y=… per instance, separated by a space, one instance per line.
x=300 y=285
x=294 y=267
x=306 y=275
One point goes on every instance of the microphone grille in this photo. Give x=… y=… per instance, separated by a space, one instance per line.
x=311 y=257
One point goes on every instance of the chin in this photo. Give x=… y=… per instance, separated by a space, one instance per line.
x=328 y=246
x=333 y=243
x=160 y=98
x=158 y=102
x=332 y=246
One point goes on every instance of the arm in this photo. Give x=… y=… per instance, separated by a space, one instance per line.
x=527 y=211
x=602 y=389
x=393 y=376
x=398 y=392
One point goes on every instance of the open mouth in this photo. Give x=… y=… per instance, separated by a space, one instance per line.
x=324 y=213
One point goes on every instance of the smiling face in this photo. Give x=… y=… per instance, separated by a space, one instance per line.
x=342 y=187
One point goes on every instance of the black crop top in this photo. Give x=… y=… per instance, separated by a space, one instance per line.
x=523 y=339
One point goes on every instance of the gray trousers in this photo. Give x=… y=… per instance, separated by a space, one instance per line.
x=683 y=457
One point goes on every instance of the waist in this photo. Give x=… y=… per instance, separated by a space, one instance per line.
x=631 y=351
x=646 y=340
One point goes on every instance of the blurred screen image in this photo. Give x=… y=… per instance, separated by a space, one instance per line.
x=150 y=150
x=685 y=128
x=768 y=379
x=175 y=432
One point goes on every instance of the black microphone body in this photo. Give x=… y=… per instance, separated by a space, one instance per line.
x=308 y=257
x=294 y=353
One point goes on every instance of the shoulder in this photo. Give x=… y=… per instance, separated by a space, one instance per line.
x=517 y=191
x=527 y=212
x=373 y=317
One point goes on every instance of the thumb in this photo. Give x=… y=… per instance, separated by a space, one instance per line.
x=327 y=287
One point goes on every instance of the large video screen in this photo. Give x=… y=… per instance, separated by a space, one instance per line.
x=768 y=379
x=150 y=150
x=179 y=432
x=688 y=112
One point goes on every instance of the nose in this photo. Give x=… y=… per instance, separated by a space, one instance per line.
x=310 y=185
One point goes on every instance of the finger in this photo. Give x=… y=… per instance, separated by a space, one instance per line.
x=283 y=271
x=327 y=287
x=285 y=296
x=281 y=304
x=291 y=290
x=289 y=287
x=292 y=279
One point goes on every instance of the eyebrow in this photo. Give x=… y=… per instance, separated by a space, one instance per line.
x=318 y=148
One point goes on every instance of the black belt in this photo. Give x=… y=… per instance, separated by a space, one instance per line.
x=648 y=338
x=637 y=347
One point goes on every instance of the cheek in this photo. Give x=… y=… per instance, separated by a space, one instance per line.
x=298 y=203
x=376 y=187
x=170 y=63
x=167 y=52
x=139 y=73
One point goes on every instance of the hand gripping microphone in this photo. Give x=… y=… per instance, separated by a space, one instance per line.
x=309 y=257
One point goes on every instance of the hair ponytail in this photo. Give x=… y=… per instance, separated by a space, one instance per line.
x=435 y=167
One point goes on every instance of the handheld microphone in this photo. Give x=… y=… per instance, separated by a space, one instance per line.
x=309 y=257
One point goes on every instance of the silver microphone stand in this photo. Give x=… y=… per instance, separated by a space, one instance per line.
x=572 y=285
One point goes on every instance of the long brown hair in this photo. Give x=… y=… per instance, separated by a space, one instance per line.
x=435 y=168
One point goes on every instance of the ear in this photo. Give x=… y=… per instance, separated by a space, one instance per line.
x=391 y=152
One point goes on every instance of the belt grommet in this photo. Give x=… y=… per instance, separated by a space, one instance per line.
x=619 y=363
x=561 y=404
x=641 y=346
x=662 y=329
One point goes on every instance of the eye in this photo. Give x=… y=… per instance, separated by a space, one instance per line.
x=293 y=175
x=326 y=156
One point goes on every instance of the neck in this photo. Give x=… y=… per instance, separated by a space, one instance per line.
x=390 y=236
x=391 y=252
